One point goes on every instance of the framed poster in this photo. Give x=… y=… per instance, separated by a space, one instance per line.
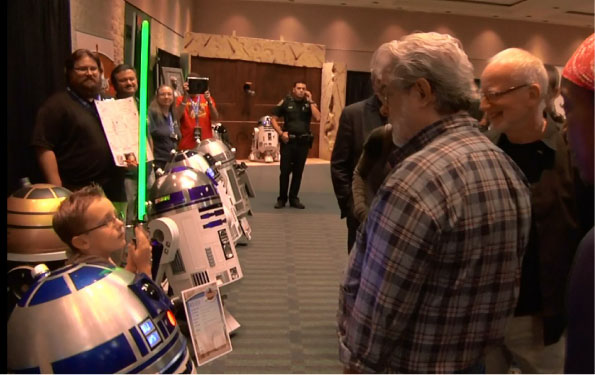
x=173 y=77
x=206 y=321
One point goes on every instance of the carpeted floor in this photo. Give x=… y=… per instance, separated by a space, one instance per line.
x=287 y=301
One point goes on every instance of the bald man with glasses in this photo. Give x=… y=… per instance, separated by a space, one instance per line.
x=513 y=92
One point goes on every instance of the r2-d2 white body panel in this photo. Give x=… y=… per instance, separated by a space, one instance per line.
x=235 y=177
x=89 y=318
x=199 y=162
x=265 y=144
x=188 y=224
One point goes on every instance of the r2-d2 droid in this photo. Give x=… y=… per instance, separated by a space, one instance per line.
x=88 y=318
x=207 y=165
x=265 y=144
x=235 y=177
x=189 y=231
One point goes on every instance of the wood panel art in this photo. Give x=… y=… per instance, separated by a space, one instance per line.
x=254 y=49
x=334 y=79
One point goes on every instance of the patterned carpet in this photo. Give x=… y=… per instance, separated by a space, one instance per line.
x=287 y=301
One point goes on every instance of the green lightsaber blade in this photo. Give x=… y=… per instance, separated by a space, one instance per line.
x=142 y=127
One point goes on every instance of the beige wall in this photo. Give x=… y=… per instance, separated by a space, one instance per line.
x=84 y=18
x=105 y=19
x=351 y=34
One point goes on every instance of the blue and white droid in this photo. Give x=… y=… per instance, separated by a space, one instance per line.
x=189 y=233
x=208 y=166
x=236 y=180
x=88 y=318
x=265 y=143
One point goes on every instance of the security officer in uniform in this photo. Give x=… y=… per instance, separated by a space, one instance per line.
x=297 y=110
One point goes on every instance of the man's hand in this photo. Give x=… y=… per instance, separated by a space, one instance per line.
x=207 y=95
x=285 y=137
x=308 y=95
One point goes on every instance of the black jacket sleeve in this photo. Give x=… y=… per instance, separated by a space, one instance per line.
x=343 y=163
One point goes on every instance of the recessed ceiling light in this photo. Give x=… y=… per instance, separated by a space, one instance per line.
x=528 y=16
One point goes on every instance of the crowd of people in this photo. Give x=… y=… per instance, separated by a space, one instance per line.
x=457 y=225
x=465 y=226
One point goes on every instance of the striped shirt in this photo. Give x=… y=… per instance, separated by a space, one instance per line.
x=434 y=274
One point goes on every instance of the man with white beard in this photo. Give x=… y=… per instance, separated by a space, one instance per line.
x=433 y=277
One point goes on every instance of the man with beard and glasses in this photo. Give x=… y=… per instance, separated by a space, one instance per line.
x=71 y=145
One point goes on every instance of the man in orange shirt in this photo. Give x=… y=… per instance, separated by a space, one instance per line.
x=195 y=111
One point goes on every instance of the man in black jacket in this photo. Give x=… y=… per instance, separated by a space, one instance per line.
x=356 y=123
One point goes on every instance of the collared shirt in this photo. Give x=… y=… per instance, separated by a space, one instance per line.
x=434 y=273
x=296 y=115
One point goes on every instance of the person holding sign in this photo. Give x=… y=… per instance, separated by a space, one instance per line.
x=72 y=149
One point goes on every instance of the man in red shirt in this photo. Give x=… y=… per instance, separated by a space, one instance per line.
x=195 y=110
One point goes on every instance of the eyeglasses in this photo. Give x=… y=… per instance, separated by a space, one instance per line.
x=83 y=70
x=109 y=221
x=493 y=95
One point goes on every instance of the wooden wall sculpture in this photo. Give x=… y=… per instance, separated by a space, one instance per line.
x=253 y=49
x=334 y=78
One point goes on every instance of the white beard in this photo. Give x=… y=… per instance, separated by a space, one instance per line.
x=398 y=138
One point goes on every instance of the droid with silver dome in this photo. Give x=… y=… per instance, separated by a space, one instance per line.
x=207 y=165
x=89 y=318
x=265 y=143
x=236 y=180
x=189 y=232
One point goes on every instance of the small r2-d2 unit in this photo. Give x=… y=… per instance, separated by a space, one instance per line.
x=235 y=178
x=86 y=318
x=189 y=232
x=265 y=144
x=207 y=165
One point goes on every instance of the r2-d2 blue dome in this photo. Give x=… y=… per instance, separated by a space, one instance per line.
x=88 y=318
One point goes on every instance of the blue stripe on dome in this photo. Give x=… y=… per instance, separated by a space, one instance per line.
x=164 y=349
x=88 y=275
x=140 y=343
x=62 y=270
x=50 y=290
x=108 y=358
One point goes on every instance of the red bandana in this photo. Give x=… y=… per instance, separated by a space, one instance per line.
x=579 y=69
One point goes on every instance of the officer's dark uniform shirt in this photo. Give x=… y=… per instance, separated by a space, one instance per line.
x=296 y=115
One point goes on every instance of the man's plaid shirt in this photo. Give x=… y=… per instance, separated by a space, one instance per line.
x=434 y=274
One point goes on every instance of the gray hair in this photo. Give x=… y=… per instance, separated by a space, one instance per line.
x=381 y=58
x=440 y=59
x=527 y=67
